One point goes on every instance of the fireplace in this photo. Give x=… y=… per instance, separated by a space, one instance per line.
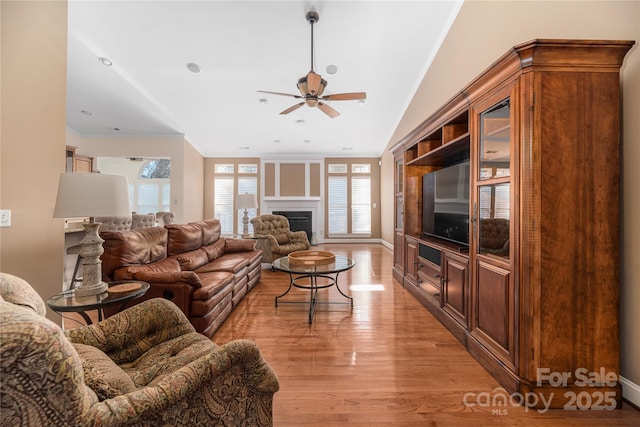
x=298 y=220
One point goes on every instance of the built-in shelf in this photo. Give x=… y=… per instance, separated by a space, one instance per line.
x=453 y=152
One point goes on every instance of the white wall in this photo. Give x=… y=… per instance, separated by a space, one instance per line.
x=33 y=112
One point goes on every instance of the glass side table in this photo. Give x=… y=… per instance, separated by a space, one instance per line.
x=67 y=301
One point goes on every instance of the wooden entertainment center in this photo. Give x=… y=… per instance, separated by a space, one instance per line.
x=534 y=294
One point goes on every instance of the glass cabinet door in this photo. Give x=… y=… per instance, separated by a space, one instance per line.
x=399 y=195
x=495 y=141
x=492 y=208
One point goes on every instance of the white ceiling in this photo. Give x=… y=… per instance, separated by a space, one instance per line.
x=381 y=47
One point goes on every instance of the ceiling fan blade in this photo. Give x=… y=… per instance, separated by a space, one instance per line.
x=313 y=83
x=345 y=96
x=293 y=108
x=327 y=110
x=279 y=93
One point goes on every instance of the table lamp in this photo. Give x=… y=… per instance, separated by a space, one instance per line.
x=246 y=201
x=91 y=195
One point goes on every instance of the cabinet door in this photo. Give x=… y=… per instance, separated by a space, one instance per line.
x=411 y=269
x=494 y=322
x=456 y=288
x=398 y=251
x=494 y=296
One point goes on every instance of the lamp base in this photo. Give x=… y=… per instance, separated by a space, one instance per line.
x=90 y=251
x=245 y=224
x=88 y=290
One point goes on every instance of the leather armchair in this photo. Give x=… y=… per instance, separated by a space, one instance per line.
x=494 y=236
x=145 y=366
x=278 y=239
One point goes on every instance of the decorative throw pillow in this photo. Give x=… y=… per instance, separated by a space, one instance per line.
x=101 y=373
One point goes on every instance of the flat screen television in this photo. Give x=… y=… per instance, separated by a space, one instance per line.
x=445 y=203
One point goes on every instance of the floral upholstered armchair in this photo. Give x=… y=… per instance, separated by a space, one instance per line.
x=279 y=240
x=145 y=366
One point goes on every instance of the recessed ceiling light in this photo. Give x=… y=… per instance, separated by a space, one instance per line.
x=105 y=61
x=262 y=100
x=244 y=148
x=347 y=148
x=116 y=129
x=300 y=122
x=85 y=112
x=277 y=141
x=332 y=69
x=306 y=141
x=194 y=68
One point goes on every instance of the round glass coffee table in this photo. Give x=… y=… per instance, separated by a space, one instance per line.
x=306 y=277
x=67 y=301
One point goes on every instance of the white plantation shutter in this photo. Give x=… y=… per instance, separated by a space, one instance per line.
x=247 y=185
x=494 y=201
x=502 y=201
x=361 y=205
x=223 y=201
x=337 y=205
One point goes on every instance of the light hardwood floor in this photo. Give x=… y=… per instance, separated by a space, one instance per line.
x=386 y=362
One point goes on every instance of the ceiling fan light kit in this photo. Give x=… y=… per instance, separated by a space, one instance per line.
x=312 y=86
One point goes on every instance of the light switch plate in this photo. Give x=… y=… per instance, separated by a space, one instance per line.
x=5 y=218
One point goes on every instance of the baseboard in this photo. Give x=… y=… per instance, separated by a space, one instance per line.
x=353 y=240
x=386 y=244
x=630 y=391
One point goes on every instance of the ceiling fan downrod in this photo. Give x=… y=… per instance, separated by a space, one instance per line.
x=312 y=18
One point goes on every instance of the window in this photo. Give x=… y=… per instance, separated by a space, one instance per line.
x=361 y=168
x=224 y=168
x=230 y=180
x=150 y=191
x=223 y=203
x=361 y=204
x=157 y=168
x=349 y=198
x=337 y=168
x=247 y=185
x=248 y=168
x=338 y=205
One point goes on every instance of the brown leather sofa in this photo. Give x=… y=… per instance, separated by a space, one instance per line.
x=203 y=273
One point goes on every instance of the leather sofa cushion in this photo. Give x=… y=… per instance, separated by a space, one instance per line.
x=183 y=238
x=229 y=263
x=132 y=247
x=188 y=277
x=215 y=250
x=164 y=265
x=239 y=245
x=211 y=231
x=191 y=260
x=213 y=283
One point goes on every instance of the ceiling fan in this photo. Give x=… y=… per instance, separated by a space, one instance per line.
x=312 y=85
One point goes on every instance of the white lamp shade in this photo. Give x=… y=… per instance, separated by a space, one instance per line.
x=247 y=201
x=92 y=194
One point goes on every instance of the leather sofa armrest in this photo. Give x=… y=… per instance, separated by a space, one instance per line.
x=239 y=245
